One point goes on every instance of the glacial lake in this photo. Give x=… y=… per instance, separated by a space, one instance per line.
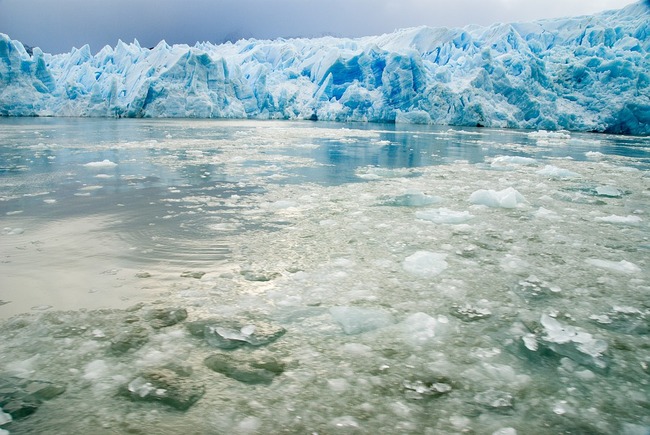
x=262 y=277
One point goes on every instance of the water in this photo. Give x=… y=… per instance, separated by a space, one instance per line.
x=359 y=279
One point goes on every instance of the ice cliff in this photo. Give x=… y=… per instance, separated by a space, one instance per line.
x=589 y=73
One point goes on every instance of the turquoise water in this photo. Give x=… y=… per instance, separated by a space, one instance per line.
x=428 y=280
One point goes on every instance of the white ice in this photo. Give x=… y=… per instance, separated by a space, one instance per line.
x=506 y=198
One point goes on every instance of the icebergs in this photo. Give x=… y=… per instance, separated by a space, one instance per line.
x=355 y=320
x=444 y=216
x=622 y=266
x=500 y=76
x=620 y=220
x=425 y=263
x=568 y=341
x=555 y=172
x=104 y=164
x=506 y=198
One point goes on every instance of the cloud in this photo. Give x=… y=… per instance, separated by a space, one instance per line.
x=58 y=26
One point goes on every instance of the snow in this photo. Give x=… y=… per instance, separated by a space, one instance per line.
x=587 y=73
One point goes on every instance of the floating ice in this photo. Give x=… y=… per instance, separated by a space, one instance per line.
x=622 y=266
x=444 y=216
x=425 y=263
x=412 y=198
x=4 y=418
x=573 y=342
x=543 y=213
x=355 y=320
x=546 y=135
x=506 y=198
x=594 y=155
x=12 y=231
x=513 y=161
x=104 y=164
x=420 y=328
x=621 y=220
x=609 y=191
x=555 y=172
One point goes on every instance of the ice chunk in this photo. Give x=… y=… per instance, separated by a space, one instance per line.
x=95 y=370
x=620 y=220
x=104 y=164
x=545 y=135
x=594 y=155
x=506 y=198
x=573 y=342
x=355 y=320
x=512 y=161
x=555 y=172
x=420 y=328
x=4 y=418
x=609 y=191
x=622 y=266
x=425 y=263
x=444 y=216
x=544 y=213
x=412 y=198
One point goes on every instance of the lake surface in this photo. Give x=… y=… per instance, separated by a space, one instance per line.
x=364 y=278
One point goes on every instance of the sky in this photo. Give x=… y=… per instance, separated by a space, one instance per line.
x=58 y=25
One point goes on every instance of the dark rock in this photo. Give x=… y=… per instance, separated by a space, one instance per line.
x=468 y=313
x=134 y=338
x=169 y=385
x=22 y=397
x=19 y=408
x=495 y=400
x=418 y=389
x=70 y=331
x=163 y=317
x=250 y=275
x=143 y=275
x=136 y=307
x=246 y=368
x=533 y=289
x=234 y=333
x=190 y=274
x=231 y=334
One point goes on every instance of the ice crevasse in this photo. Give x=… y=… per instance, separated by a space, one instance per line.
x=588 y=73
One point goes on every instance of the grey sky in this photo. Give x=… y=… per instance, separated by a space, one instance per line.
x=58 y=25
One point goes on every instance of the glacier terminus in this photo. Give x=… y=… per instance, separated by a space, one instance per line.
x=588 y=73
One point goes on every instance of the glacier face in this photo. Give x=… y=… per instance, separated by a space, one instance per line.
x=588 y=73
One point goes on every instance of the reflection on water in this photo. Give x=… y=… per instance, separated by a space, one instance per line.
x=365 y=278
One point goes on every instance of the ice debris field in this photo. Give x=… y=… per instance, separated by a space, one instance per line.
x=588 y=73
x=253 y=277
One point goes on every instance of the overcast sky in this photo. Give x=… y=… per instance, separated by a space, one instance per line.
x=58 y=25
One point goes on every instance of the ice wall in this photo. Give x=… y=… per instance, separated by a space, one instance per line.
x=588 y=73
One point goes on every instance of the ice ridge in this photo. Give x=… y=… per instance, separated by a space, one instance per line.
x=589 y=73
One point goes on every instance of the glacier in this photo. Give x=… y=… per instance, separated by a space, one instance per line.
x=589 y=73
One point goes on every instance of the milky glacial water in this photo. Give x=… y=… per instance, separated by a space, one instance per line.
x=426 y=280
